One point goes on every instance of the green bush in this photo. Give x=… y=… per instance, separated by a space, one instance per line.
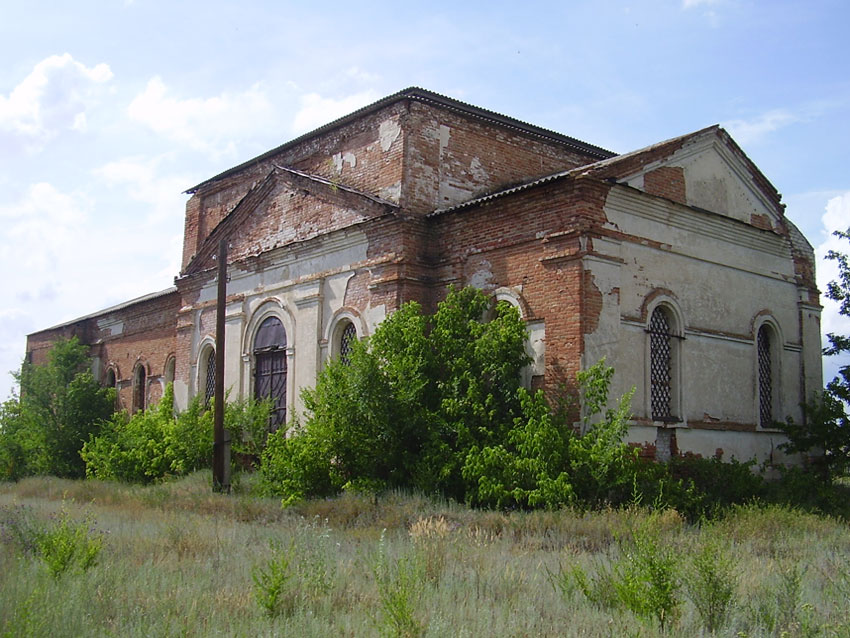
x=150 y=445
x=60 y=407
x=405 y=409
x=544 y=462
x=711 y=582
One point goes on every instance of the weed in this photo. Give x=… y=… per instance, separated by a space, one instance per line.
x=19 y=528
x=399 y=583
x=430 y=536
x=67 y=545
x=711 y=584
x=272 y=588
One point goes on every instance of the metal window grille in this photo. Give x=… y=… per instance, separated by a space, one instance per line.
x=765 y=378
x=661 y=365
x=209 y=389
x=270 y=368
x=270 y=382
x=346 y=339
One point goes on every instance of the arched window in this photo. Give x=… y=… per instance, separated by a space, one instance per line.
x=270 y=368
x=170 y=366
x=662 y=362
x=347 y=336
x=765 y=349
x=208 y=375
x=109 y=378
x=139 y=388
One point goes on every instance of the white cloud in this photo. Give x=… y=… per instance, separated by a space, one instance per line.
x=836 y=217
x=163 y=196
x=62 y=262
x=754 y=130
x=316 y=110
x=204 y=124
x=52 y=98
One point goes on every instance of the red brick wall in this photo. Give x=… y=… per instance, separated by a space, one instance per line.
x=531 y=241
x=471 y=158
x=666 y=181
x=147 y=336
x=374 y=170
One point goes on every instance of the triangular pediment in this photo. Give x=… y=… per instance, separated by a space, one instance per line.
x=705 y=170
x=287 y=206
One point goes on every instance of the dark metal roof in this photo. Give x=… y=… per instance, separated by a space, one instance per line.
x=427 y=97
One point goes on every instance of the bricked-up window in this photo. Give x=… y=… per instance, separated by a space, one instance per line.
x=765 y=373
x=270 y=368
x=209 y=377
x=347 y=337
x=661 y=344
x=139 y=388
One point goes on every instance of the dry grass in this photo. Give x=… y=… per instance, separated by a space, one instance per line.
x=178 y=561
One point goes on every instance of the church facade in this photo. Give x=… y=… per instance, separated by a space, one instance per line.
x=675 y=262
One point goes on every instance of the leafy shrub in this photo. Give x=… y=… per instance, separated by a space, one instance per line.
x=62 y=545
x=68 y=545
x=399 y=583
x=272 y=583
x=405 y=409
x=544 y=462
x=642 y=579
x=150 y=445
x=60 y=407
x=711 y=583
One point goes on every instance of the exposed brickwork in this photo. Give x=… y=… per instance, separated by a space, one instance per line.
x=666 y=181
x=142 y=333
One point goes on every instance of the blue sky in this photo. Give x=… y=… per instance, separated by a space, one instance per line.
x=110 y=110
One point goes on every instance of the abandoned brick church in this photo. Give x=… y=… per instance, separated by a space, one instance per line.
x=674 y=262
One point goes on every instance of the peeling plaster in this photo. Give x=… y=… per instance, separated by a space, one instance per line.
x=388 y=133
x=482 y=277
x=391 y=193
x=478 y=171
x=445 y=133
x=341 y=159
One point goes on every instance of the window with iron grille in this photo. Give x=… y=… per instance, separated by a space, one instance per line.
x=765 y=366
x=209 y=388
x=270 y=368
x=661 y=366
x=347 y=336
x=139 y=389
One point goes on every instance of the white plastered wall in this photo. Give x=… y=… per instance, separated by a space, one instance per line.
x=306 y=290
x=721 y=274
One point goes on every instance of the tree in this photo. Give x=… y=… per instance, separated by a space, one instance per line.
x=60 y=406
x=826 y=433
x=405 y=408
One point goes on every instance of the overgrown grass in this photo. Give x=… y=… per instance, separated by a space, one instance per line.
x=177 y=560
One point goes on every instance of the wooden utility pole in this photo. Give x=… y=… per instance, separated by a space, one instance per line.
x=221 y=443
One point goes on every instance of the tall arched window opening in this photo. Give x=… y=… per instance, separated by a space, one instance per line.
x=139 y=383
x=347 y=337
x=270 y=368
x=170 y=367
x=209 y=377
x=109 y=379
x=661 y=346
x=764 y=348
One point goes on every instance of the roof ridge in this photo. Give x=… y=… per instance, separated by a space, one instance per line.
x=422 y=95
